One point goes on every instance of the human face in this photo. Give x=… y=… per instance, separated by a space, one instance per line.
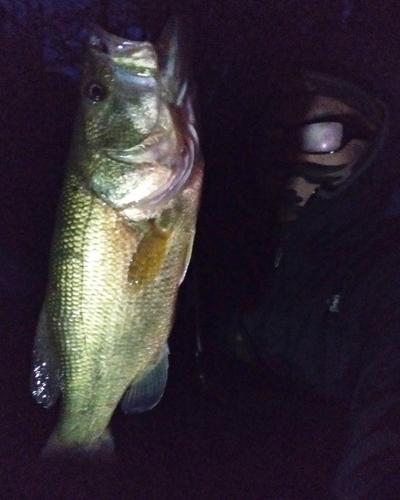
x=319 y=139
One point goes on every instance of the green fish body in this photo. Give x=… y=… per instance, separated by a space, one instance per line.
x=122 y=242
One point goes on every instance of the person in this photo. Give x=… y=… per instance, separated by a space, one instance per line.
x=317 y=212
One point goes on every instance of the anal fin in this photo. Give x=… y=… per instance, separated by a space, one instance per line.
x=146 y=392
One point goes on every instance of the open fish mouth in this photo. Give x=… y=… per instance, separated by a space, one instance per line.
x=180 y=173
x=155 y=179
x=141 y=55
x=152 y=172
x=156 y=147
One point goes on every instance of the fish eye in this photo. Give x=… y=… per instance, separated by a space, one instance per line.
x=96 y=92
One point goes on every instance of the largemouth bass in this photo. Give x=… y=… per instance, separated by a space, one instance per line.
x=123 y=239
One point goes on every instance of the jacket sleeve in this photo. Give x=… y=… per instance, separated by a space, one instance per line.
x=370 y=467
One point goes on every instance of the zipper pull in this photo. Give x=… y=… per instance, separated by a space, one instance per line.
x=278 y=256
x=334 y=303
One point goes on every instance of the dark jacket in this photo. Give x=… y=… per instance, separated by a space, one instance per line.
x=331 y=318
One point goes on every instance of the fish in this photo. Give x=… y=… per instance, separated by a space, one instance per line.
x=122 y=242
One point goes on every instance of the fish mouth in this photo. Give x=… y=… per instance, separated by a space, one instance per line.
x=159 y=177
x=151 y=173
x=157 y=146
x=128 y=54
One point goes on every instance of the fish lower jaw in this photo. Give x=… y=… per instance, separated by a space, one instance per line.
x=134 y=214
x=138 y=213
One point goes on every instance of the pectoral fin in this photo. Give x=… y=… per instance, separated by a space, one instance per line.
x=145 y=393
x=150 y=255
x=45 y=381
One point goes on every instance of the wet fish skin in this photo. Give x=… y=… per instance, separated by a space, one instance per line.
x=122 y=242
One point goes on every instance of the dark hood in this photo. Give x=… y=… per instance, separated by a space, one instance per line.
x=358 y=47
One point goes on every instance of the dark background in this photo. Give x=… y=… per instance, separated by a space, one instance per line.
x=220 y=431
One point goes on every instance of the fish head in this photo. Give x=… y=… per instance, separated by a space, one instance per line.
x=136 y=127
x=119 y=91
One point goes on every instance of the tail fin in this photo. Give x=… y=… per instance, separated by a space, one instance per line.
x=100 y=451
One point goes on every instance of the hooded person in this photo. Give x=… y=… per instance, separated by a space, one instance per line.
x=325 y=309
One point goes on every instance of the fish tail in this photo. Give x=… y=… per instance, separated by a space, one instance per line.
x=101 y=450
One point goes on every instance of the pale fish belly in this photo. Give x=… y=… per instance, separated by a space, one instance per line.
x=86 y=311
